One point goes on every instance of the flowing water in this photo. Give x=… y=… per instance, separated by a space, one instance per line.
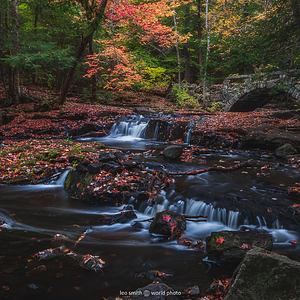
x=33 y=214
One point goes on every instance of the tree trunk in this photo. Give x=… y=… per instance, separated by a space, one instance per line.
x=188 y=72
x=93 y=79
x=14 y=74
x=81 y=49
x=177 y=50
x=296 y=12
x=199 y=37
x=207 y=51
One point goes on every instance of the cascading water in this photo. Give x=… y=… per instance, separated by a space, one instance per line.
x=132 y=127
x=193 y=207
x=188 y=135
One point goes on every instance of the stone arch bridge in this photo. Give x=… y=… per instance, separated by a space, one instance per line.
x=248 y=92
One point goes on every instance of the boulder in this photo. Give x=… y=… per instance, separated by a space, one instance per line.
x=173 y=152
x=264 y=275
x=270 y=140
x=107 y=157
x=285 y=150
x=168 y=223
x=232 y=246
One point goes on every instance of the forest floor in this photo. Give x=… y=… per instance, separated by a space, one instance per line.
x=39 y=141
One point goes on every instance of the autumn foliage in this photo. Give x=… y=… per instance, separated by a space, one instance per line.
x=125 y=21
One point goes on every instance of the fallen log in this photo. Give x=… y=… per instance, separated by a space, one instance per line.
x=248 y=163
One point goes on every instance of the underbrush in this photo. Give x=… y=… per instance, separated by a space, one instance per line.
x=182 y=98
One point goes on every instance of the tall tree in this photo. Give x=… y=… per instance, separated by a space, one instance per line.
x=95 y=13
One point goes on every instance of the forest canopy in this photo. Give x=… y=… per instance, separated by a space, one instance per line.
x=137 y=44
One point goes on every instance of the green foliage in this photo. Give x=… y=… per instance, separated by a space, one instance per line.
x=182 y=98
x=215 y=107
x=49 y=155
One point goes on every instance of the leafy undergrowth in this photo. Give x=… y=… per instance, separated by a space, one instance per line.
x=33 y=160
x=27 y=123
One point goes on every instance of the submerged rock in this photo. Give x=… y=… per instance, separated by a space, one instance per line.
x=285 y=150
x=233 y=245
x=173 y=152
x=168 y=223
x=264 y=275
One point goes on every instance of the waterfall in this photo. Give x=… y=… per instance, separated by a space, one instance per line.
x=213 y=214
x=156 y=131
x=62 y=178
x=133 y=126
x=188 y=135
x=261 y=221
x=5 y=221
x=193 y=207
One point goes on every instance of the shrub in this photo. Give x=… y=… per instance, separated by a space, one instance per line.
x=215 y=106
x=182 y=98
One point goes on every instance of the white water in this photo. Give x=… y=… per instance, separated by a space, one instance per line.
x=188 y=135
x=193 y=207
x=130 y=128
x=218 y=219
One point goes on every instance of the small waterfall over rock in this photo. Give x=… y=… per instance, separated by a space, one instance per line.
x=199 y=208
x=188 y=134
x=132 y=126
x=156 y=128
x=193 y=207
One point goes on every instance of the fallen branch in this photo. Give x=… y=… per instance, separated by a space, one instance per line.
x=248 y=163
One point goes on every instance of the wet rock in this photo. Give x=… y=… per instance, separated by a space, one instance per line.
x=50 y=253
x=192 y=244
x=169 y=224
x=173 y=152
x=270 y=140
x=94 y=168
x=88 y=261
x=192 y=291
x=265 y=275
x=285 y=150
x=153 y=275
x=232 y=245
x=107 y=157
x=156 y=291
x=112 y=167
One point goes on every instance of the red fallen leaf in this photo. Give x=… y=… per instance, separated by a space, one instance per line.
x=220 y=240
x=294 y=242
x=167 y=218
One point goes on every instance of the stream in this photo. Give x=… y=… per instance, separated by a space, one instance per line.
x=33 y=214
